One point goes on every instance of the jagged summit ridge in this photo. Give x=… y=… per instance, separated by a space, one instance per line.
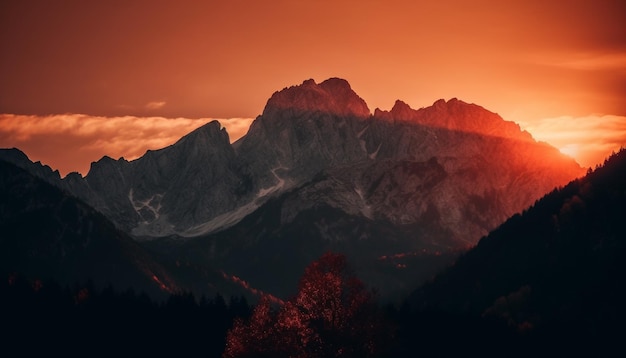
x=457 y=115
x=202 y=183
x=316 y=172
x=334 y=96
x=212 y=131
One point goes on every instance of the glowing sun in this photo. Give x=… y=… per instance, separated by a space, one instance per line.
x=570 y=150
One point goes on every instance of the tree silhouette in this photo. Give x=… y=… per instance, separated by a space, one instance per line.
x=332 y=315
x=257 y=337
x=42 y=318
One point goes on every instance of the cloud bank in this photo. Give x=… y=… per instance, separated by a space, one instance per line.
x=155 y=105
x=70 y=142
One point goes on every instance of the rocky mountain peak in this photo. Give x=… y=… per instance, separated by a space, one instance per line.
x=336 y=86
x=20 y=159
x=104 y=165
x=455 y=115
x=333 y=96
x=14 y=155
x=207 y=135
x=440 y=103
x=401 y=110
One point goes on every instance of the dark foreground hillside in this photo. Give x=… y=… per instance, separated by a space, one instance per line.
x=548 y=281
x=48 y=234
x=42 y=318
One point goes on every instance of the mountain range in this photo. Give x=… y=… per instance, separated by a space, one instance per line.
x=400 y=192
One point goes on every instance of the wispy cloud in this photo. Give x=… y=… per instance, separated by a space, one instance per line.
x=70 y=142
x=155 y=105
x=584 y=61
x=596 y=62
x=588 y=139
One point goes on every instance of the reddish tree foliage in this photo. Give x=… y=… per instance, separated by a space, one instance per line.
x=253 y=337
x=332 y=315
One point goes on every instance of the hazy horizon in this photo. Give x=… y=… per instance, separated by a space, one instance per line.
x=558 y=69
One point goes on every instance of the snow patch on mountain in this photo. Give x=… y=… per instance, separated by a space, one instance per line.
x=366 y=209
x=281 y=183
x=157 y=228
x=222 y=221
x=140 y=205
x=373 y=155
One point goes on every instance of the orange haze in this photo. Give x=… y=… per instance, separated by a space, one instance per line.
x=70 y=142
x=532 y=61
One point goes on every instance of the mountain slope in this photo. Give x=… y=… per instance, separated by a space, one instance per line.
x=203 y=184
x=556 y=271
x=49 y=234
x=317 y=171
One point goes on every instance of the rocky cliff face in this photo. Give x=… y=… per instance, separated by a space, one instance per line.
x=490 y=168
x=172 y=189
x=485 y=168
x=304 y=129
x=318 y=171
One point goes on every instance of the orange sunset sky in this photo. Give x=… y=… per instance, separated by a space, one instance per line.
x=81 y=79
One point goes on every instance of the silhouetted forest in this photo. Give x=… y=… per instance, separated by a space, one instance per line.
x=45 y=319
x=552 y=278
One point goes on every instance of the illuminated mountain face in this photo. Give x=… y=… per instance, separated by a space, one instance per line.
x=550 y=273
x=317 y=165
